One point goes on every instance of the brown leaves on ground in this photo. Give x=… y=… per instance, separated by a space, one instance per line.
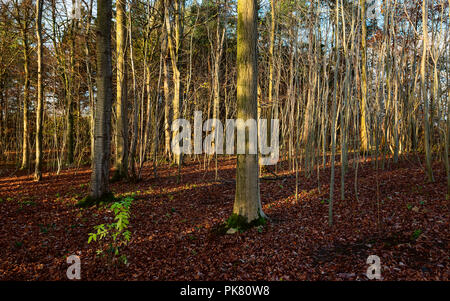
x=171 y=227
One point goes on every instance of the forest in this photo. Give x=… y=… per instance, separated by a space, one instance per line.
x=231 y=140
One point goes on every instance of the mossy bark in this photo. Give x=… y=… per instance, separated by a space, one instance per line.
x=89 y=201
x=247 y=200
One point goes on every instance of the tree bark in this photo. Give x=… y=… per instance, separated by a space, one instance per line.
x=70 y=92
x=102 y=130
x=247 y=201
x=424 y=91
x=121 y=138
x=40 y=92
x=174 y=35
x=364 y=140
x=26 y=91
x=333 y=118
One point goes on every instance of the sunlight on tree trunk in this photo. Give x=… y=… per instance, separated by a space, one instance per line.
x=121 y=137
x=247 y=202
x=40 y=92
x=363 y=129
x=102 y=130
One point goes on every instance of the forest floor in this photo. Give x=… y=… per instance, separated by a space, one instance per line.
x=171 y=226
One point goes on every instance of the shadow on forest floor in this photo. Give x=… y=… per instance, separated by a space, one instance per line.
x=404 y=222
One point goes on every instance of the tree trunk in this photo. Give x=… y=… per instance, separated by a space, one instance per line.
x=424 y=91
x=364 y=140
x=134 y=140
x=121 y=138
x=174 y=35
x=333 y=118
x=89 y=80
x=247 y=202
x=26 y=91
x=40 y=92
x=70 y=92
x=167 y=101
x=102 y=130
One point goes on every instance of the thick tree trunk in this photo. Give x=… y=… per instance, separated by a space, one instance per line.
x=121 y=138
x=102 y=130
x=247 y=202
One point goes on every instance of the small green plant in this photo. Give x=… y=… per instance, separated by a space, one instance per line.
x=123 y=258
x=409 y=206
x=58 y=198
x=112 y=237
x=27 y=203
x=416 y=234
x=260 y=229
x=43 y=229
